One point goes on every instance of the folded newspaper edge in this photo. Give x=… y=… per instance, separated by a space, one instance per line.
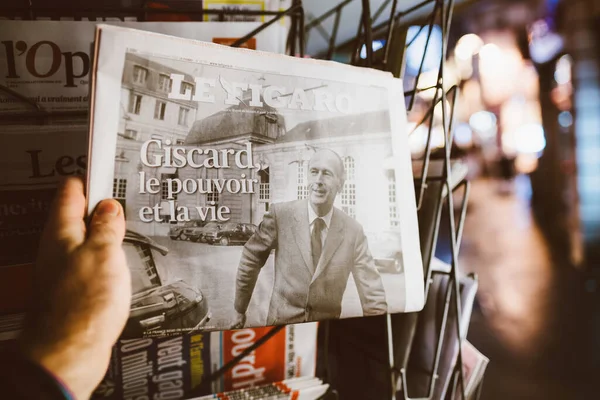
x=303 y=164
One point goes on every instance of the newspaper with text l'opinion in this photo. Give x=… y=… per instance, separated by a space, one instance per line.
x=258 y=189
x=49 y=61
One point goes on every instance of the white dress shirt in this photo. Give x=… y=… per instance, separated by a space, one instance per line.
x=326 y=218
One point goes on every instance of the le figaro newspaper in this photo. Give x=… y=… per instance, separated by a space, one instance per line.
x=284 y=196
x=48 y=62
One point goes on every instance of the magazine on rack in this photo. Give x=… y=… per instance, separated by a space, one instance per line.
x=180 y=367
x=49 y=61
x=474 y=366
x=292 y=389
x=34 y=159
x=264 y=190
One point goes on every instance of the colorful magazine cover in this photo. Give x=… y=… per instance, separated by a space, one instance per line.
x=180 y=367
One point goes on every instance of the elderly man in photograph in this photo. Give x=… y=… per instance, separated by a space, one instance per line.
x=317 y=246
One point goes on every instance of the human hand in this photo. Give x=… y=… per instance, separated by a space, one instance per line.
x=239 y=321
x=82 y=291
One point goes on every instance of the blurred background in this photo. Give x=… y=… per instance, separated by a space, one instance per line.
x=528 y=128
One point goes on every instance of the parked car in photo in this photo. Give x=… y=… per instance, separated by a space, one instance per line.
x=154 y=304
x=177 y=232
x=199 y=234
x=386 y=250
x=230 y=233
x=173 y=306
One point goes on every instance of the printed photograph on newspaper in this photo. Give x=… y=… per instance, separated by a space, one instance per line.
x=255 y=198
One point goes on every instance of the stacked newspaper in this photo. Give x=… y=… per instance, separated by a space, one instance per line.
x=474 y=366
x=258 y=190
x=307 y=388
x=181 y=367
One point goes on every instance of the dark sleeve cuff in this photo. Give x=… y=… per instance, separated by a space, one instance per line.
x=21 y=379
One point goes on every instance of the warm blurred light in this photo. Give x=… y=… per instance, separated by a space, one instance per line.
x=565 y=119
x=500 y=70
x=470 y=100
x=509 y=143
x=490 y=53
x=415 y=53
x=467 y=46
x=526 y=163
x=428 y=81
x=518 y=111
x=530 y=139
x=438 y=116
x=561 y=97
x=463 y=135
x=465 y=69
x=437 y=137
x=417 y=140
x=562 y=75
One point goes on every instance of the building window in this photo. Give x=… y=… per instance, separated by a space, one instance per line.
x=159 y=110
x=301 y=180
x=164 y=193
x=149 y=266
x=140 y=74
x=349 y=190
x=131 y=134
x=213 y=194
x=179 y=142
x=264 y=188
x=393 y=206
x=135 y=104
x=119 y=188
x=164 y=83
x=183 y=116
x=157 y=137
x=185 y=86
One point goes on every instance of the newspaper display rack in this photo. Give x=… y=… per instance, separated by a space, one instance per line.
x=441 y=12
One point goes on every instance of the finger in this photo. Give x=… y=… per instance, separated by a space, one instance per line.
x=107 y=226
x=66 y=219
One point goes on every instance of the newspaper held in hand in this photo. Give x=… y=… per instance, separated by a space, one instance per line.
x=258 y=189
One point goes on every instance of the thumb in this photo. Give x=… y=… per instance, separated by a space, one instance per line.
x=65 y=221
x=107 y=226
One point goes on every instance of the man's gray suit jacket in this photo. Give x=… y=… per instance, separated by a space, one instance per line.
x=298 y=294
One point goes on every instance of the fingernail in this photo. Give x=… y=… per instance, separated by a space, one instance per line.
x=108 y=207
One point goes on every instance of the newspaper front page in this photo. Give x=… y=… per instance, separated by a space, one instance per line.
x=258 y=189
